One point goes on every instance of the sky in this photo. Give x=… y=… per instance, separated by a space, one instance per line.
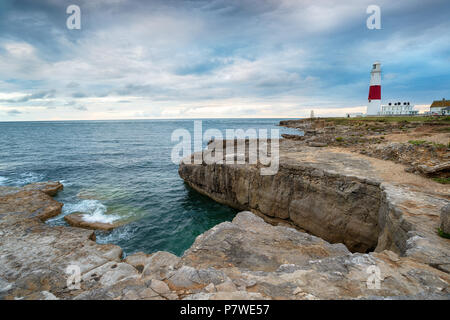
x=145 y=59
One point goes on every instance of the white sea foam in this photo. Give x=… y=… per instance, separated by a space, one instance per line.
x=94 y=211
x=29 y=177
x=124 y=233
x=66 y=183
x=3 y=180
x=98 y=216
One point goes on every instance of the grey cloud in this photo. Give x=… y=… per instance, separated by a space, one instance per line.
x=31 y=97
x=14 y=112
x=72 y=85
x=81 y=108
x=78 y=95
x=199 y=51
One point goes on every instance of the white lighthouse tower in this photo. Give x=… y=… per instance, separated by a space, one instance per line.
x=374 y=106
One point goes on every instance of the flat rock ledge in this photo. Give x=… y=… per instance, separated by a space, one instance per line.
x=243 y=259
x=77 y=220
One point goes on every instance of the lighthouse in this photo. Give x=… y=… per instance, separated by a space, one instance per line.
x=374 y=106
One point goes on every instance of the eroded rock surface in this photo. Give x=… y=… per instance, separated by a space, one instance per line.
x=77 y=220
x=243 y=259
x=368 y=204
x=445 y=219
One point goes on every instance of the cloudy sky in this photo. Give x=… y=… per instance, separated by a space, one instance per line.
x=216 y=58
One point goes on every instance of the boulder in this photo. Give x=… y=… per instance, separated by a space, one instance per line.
x=50 y=188
x=434 y=169
x=109 y=274
x=77 y=220
x=317 y=144
x=138 y=260
x=188 y=277
x=248 y=242
x=31 y=204
x=159 y=265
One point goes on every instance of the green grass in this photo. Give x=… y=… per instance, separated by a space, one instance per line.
x=443 y=234
x=418 y=142
x=424 y=142
x=440 y=145
x=343 y=120
x=339 y=139
x=442 y=180
x=443 y=129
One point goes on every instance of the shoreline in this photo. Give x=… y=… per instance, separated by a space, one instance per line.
x=249 y=258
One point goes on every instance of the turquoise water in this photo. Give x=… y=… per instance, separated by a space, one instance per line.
x=118 y=170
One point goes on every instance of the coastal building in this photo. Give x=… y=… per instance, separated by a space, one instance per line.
x=398 y=108
x=374 y=106
x=441 y=107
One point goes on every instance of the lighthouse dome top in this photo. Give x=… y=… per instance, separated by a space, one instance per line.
x=376 y=66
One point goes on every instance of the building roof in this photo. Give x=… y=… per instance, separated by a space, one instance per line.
x=440 y=103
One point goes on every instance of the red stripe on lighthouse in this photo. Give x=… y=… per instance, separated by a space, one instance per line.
x=375 y=93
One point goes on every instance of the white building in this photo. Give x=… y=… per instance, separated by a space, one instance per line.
x=397 y=108
x=440 y=107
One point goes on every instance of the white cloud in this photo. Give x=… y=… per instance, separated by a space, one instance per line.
x=211 y=59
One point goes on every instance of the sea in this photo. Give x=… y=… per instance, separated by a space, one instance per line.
x=119 y=171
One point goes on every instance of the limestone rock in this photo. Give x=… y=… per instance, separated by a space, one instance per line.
x=340 y=196
x=138 y=260
x=293 y=136
x=159 y=287
x=110 y=273
x=310 y=193
x=159 y=264
x=248 y=242
x=445 y=219
x=317 y=144
x=34 y=256
x=433 y=169
x=236 y=295
x=227 y=286
x=50 y=188
x=189 y=277
x=210 y=288
x=243 y=259
x=77 y=220
x=31 y=203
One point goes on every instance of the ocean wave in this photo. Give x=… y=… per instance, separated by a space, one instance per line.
x=94 y=211
x=3 y=181
x=29 y=177
x=65 y=183
x=123 y=233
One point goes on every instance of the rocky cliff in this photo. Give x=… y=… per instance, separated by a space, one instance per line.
x=247 y=258
x=365 y=203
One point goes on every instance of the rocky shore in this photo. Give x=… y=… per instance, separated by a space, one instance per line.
x=243 y=259
x=343 y=196
x=330 y=224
